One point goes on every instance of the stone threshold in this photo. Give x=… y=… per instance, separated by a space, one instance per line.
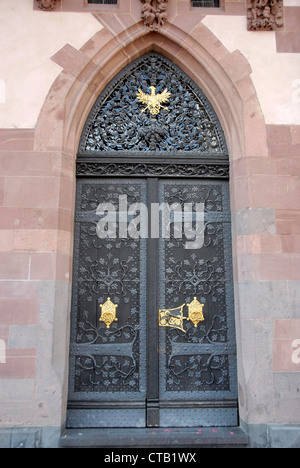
x=176 y=438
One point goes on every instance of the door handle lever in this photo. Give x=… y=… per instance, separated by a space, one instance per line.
x=173 y=318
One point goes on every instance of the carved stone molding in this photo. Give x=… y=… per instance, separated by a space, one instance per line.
x=154 y=13
x=47 y=5
x=264 y=15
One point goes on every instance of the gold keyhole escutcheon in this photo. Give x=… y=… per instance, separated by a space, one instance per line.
x=108 y=313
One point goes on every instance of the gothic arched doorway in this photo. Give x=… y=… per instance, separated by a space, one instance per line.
x=152 y=322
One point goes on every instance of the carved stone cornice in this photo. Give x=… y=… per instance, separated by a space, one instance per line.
x=264 y=15
x=47 y=5
x=154 y=13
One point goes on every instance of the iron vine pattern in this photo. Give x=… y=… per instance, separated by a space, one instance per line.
x=106 y=360
x=199 y=360
x=99 y=168
x=116 y=123
x=109 y=360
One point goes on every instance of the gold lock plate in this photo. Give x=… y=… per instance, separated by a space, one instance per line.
x=108 y=313
x=195 y=309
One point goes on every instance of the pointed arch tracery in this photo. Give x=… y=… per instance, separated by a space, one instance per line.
x=118 y=122
x=186 y=128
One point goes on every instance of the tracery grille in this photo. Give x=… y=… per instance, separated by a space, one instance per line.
x=116 y=123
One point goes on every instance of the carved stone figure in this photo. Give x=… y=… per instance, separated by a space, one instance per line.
x=148 y=14
x=154 y=13
x=264 y=15
x=161 y=13
x=47 y=5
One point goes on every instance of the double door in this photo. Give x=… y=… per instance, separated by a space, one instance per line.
x=152 y=323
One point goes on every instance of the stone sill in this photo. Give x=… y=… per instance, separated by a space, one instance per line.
x=155 y=438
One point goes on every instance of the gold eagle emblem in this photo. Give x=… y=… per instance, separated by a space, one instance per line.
x=154 y=101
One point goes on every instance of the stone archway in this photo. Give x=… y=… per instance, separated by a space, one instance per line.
x=224 y=78
x=173 y=155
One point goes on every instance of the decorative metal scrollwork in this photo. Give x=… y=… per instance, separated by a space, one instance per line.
x=173 y=318
x=100 y=168
x=198 y=356
x=116 y=123
x=107 y=310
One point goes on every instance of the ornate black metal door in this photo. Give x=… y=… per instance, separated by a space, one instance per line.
x=197 y=362
x=152 y=323
x=108 y=360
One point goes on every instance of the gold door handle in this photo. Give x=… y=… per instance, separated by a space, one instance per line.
x=108 y=313
x=173 y=318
